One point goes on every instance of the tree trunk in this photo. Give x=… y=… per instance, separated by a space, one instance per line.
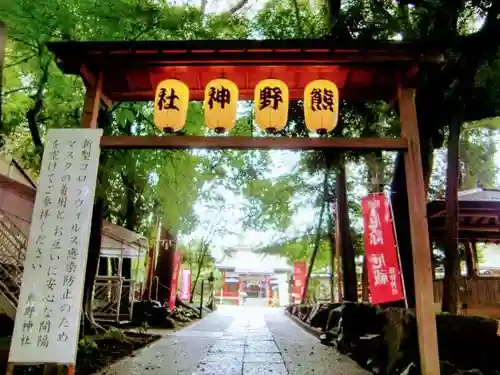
x=375 y=184
x=470 y=259
x=203 y=253
x=364 y=282
x=89 y=323
x=344 y=237
x=164 y=270
x=317 y=240
x=32 y=114
x=331 y=237
x=399 y=201
x=338 y=255
x=452 y=257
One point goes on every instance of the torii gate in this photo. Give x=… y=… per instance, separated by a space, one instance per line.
x=130 y=71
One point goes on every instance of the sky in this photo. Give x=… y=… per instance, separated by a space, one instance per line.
x=283 y=163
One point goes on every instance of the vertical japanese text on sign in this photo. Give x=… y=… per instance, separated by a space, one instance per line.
x=271 y=104
x=49 y=309
x=384 y=273
x=171 y=104
x=321 y=106
x=220 y=104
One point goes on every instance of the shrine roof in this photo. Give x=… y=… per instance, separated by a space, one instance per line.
x=478 y=216
x=131 y=70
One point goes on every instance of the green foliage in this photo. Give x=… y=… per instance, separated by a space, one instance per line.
x=86 y=344
x=143 y=328
x=278 y=20
x=116 y=334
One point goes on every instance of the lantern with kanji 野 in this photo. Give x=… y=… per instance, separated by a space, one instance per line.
x=271 y=105
x=321 y=106
x=171 y=104
x=221 y=97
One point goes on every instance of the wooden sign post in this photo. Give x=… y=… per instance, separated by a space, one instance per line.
x=47 y=323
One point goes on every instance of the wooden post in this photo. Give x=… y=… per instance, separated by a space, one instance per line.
x=424 y=299
x=92 y=104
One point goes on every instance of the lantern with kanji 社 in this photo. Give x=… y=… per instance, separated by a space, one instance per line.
x=321 y=106
x=271 y=105
x=221 y=97
x=171 y=103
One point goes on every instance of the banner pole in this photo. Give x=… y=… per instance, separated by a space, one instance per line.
x=397 y=250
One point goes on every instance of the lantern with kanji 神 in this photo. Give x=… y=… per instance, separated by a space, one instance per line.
x=221 y=97
x=271 y=105
x=171 y=104
x=321 y=106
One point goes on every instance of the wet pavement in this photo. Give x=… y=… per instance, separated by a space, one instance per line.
x=238 y=341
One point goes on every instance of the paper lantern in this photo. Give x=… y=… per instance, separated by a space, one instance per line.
x=171 y=103
x=321 y=106
x=221 y=98
x=271 y=105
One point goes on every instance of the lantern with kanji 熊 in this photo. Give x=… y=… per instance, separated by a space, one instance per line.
x=171 y=103
x=321 y=106
x=221 y=97
x=271 y=105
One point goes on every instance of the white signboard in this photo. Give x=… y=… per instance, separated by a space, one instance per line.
x=48 y=315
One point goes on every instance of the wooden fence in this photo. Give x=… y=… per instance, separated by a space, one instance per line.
x=473 y=291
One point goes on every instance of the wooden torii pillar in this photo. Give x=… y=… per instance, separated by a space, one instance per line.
x=421 y=251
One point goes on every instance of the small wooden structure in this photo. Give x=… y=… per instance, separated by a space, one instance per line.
x=376 y=70
x=114 y=294
x=478 y=213
x=478 y=221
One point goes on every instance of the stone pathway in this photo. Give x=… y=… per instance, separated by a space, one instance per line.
x=238 y=341
x=247 y=347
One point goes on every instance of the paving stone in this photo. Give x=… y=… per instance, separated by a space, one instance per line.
x=234 y=336
x=261 y=347
x=263 y=357
x=255 y=368
x=228 y=346
x=219 y=368
x=259 y=337
x=224 y=356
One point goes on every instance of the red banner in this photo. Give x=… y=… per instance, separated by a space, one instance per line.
x=176 y=267
x=299 y=280
x=384 y=273
x=185 y=285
